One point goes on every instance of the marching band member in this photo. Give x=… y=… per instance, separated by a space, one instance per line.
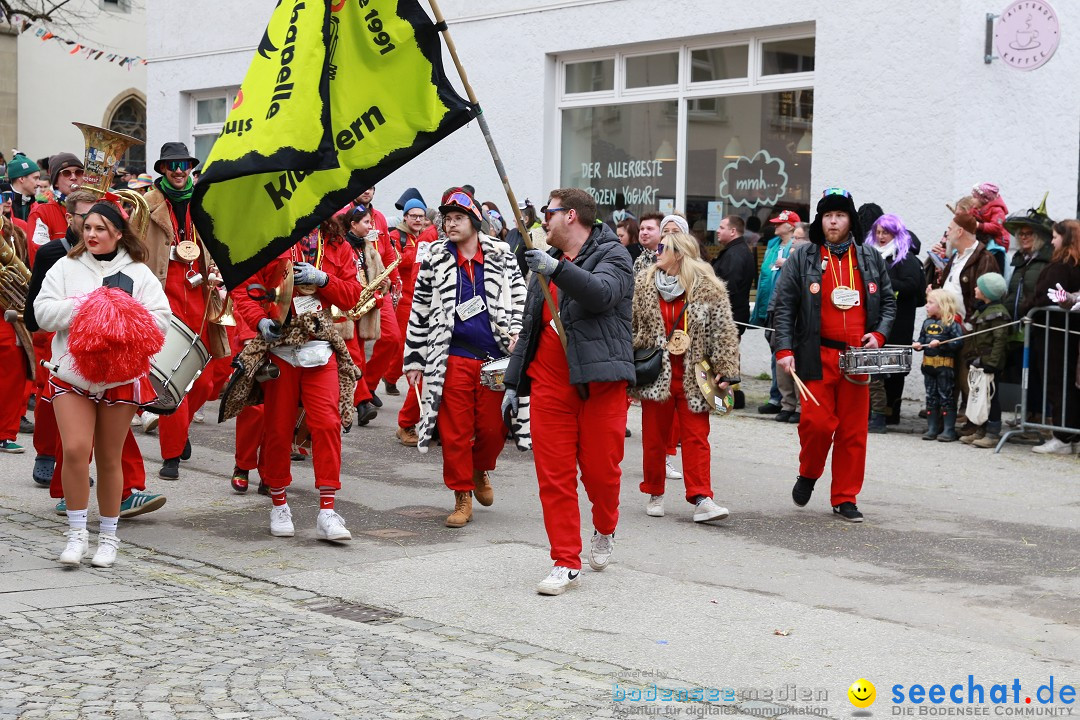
x=181 y=262
x=369 y=266
x=833 y=293
x=15 y=379
x=578 y=395
x=250 y=424
x=47 y=220
x=681 y=306
x=466 y=310
x=95 y=416
x=48 y=467
x=314 y=370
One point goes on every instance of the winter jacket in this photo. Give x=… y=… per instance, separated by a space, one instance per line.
x=797 y=309
x=47 y=221
x=909 y=288
x=1059 y=346
x=713 y=337
x=978 y=264
x=991 y=219
x=431 y=322
x=63 y=290
x=767 y=279
x=988 y=348
x=595 y=296
x=934 y=329
x=1020 y=297
x=735 y=265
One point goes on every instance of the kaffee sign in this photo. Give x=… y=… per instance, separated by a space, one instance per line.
x=1027 y=34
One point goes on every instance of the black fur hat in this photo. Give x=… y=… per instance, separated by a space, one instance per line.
x=836 y=199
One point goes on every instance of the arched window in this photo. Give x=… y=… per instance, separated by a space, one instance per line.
x=130 y=118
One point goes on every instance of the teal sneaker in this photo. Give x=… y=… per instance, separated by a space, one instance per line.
x=7 y=446
x=61 y=507
x=140 y=502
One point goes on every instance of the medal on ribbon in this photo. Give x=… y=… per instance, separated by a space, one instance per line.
x=187 y=251
x=679 y=342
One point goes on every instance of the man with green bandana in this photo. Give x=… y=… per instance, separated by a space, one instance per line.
x=179 y=259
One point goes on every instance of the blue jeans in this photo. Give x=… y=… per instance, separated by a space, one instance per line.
x=774 y=391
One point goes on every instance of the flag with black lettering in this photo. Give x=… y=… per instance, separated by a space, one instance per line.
x=339 y=94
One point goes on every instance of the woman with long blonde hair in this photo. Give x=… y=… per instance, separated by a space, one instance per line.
x=682 y=307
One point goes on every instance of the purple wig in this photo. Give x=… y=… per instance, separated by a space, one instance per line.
x=895 y=227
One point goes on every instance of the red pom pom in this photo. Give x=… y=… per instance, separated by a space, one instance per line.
x=113 y=337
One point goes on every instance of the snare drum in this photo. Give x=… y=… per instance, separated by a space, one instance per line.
x=493 y=372
x=875 y=361
x=176 y=368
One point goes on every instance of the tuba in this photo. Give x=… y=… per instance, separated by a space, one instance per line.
x=104 y=148
x=14 y=286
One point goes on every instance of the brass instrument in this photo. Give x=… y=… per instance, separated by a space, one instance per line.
x=219 y=304
x=14 y=286
x=370 y=295
x=104 y=148
x=278 y=299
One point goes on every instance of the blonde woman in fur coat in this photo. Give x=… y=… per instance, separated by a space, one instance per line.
x=680 y=297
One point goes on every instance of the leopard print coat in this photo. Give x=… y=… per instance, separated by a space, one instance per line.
x=713 y=337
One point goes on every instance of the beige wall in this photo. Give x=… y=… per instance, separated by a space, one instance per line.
x=9 y=87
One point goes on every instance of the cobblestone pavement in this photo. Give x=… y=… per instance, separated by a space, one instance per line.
x=195 y=641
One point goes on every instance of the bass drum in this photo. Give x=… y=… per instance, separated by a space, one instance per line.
x=176 y=368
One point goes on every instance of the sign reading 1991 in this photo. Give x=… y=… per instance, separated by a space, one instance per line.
x=1027 y=34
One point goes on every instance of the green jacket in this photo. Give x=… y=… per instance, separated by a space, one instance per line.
x=1020 y=297
x=989 y=347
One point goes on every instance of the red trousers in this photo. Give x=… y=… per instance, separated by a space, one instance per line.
x=12 y=383
x=250 y=429
x=388 y=349
x=317 y=388
x=356 y=352
x=220 y=370
x=173 y=429
x=693 y=431
x=131 y=461
x=570 y=433
x=409 y=415
x=46 y=434
x=470 y=424
x=841 y=423
x=395 y=371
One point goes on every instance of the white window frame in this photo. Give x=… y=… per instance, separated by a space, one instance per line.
x=753 y=84
x=196 y=129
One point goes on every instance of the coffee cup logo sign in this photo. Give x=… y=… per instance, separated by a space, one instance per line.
x=754 y=182
x=1027 y=34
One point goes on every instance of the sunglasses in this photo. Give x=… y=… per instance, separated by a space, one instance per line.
x=179 y=165
x=72 y=173
x=7 y=195
x=836 y=191
x=549 y=211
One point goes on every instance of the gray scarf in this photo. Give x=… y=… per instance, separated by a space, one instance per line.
x=668 y=285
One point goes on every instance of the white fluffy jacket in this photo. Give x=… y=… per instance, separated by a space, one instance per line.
x=72 y=279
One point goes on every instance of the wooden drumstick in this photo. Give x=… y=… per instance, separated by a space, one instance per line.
x=803 y=390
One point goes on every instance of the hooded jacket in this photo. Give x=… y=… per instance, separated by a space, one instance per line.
x=991 y=217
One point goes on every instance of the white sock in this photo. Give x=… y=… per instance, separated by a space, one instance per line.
x=76 y=519
x=108 y=525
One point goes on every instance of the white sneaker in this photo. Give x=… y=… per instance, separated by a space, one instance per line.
x=707 y=510
x=281 y=521
x=106 y=551
x=672 y=473
x=655 y=506
x=78 y=545
x=198 y=417
x=1053 y=446
x=600 y=548
x=136 y=421
x=331 y=527
x=149 y=425
x=557 y=582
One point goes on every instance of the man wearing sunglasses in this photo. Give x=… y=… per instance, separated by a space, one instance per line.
x=180 y=260
x=833 y=293
x=578 y=394
x=466 y=311
x=48 y=221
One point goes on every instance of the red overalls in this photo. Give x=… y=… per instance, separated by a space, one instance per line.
x=250 y=427
x=390 y=346
x=569 y=433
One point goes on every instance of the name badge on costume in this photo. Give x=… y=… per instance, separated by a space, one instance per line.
x=845 y=298
x=423 y=250
x=470 y=308
x=306 y=304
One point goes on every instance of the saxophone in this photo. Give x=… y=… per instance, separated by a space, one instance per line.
x=370 y=294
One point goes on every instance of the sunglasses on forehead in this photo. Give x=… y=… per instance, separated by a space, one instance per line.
x=460 y=198
x=836 y=191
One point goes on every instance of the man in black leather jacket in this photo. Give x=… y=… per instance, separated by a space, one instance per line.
x=833 y=293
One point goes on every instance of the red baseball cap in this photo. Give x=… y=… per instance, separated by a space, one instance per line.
x=787 y=216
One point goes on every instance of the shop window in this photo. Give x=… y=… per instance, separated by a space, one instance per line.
x=622 y=155
x=652 y=70
x=782 y=57
x=724 y=63
x=591 y=76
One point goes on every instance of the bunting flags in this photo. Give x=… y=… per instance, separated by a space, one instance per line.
x=128 y=61
x=338 y=95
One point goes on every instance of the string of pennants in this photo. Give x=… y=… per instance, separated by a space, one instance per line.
x=91 y=53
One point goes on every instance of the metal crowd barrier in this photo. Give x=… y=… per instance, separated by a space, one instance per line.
x=1040 y=318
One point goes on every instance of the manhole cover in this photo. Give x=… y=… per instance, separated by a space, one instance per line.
x=388 y=533
x=355 y=612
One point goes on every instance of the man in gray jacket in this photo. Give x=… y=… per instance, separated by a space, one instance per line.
x=577 y=390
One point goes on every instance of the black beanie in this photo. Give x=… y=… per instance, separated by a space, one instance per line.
x=829 y=203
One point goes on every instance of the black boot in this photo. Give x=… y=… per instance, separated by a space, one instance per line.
x=933 y=423
x=948 y=433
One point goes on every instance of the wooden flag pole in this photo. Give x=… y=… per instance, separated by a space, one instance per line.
x=440 y=22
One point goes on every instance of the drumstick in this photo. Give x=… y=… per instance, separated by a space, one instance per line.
x=803 y=390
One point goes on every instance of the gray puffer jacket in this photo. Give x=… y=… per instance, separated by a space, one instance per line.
x=595 y=303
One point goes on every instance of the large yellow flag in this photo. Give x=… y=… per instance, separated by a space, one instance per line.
x=339 y=94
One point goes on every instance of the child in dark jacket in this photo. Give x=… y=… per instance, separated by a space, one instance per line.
x=939 y=363
x=987 y=350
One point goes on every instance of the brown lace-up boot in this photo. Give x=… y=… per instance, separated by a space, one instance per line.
x=483 y=492
x=462 y=510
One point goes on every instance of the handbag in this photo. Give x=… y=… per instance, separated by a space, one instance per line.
x=649 y=361
x=981 y=389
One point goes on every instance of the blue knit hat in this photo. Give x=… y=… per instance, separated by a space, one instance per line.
x=414 y=204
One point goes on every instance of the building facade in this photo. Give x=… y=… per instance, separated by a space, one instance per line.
x=702 y=107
